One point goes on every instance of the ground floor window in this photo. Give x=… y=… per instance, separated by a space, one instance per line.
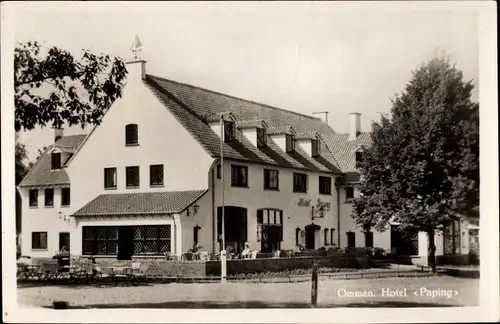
x=125 y=241
x=451 y=237
x=39 y=240
x=270 y=229
x=368 y=239
x=351 y=239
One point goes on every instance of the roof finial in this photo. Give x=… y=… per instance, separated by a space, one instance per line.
x=136 y=47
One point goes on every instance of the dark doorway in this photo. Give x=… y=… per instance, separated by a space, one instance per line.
x=403 y=243
x=64 y=241
x=235 y=227
x=311 y=236
x=125 y=243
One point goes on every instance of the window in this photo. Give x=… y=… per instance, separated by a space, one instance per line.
x=297 y=236
x=368 y=239
x=99 y=240
x=33 y=197
x=271 y=179
x=290 y=143
x=270 y=229
x=218 y=171
x=65 y=197
x=196 y=231
x=110 y=178
x=325 y=236
x=152 y=239
x=331 y=234
x=239 y=176
x=132 y=174
x=56 y=161
x=351 y=239
x=39 y=240
x=316 y=148
x=261 y=137
x=299 y=182
x=229 y=131
x=451 y=238
x=156 y=175
x=102 y=240
x=49 y=197
x=349 y=193
x=131 y=134
x=325 y=185
x=359 y=157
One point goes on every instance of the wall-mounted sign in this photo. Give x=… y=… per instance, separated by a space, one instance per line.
x=304 y=202
x=323 y=205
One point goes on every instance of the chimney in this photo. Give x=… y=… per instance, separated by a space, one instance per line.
x=354 y=125
x=58 y=133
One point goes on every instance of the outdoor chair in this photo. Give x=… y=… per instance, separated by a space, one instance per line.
x=137 y=272
x=253 y=255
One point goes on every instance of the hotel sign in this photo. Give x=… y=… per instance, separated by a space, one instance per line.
x=304 y=202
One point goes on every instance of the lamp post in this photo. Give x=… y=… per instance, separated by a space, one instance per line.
x=223 y=261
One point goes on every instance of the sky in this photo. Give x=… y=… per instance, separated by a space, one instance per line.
x=305 y=56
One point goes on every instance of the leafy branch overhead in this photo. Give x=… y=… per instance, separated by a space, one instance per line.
x=79 y=91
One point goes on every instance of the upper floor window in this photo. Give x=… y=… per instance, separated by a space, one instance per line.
x=359 y=156
x=218 y=171
x=300 y=182
x=239 y=176
x=261 y=137
x=325 y=185
x=110 y=180
x=316 y=148
x=229 y=131
x=65 y=196
x=290 y=143
x=156 y=175
x=271 y=179
x=131 y=134
x=132 y=175
x=33 y=197
x=49 y=197
x=349 y=193
x=55 y=161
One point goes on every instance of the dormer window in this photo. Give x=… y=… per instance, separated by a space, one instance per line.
x=316 y=148
x=131 y=134
x=55 y=161
x=290 y=143
x=359 y=157
x=261 y=137
x=229 y=131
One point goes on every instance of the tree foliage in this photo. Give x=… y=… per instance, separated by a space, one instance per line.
x=21 y=154
x=80 y=90
x=422 y=169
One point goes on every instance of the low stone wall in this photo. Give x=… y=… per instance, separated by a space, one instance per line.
x=284 y=264
x=160 y=267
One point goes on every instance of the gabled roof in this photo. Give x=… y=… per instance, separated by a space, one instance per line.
x=41 y=174
x=281 y=130
x=255 y=123
x=191 y=106
x=344 y=150
x=307 y=136
x=141 y=203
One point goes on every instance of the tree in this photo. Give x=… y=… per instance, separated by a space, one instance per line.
x=80 y=90
x=20 y=156
x=423 y=167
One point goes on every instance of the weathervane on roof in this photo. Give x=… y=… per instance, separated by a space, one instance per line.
x=136 y=47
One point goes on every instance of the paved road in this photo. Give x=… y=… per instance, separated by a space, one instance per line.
x=332 y=293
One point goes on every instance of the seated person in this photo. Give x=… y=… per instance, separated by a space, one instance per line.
x=245 y=254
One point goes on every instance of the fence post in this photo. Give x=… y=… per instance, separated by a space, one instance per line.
x=314 y=288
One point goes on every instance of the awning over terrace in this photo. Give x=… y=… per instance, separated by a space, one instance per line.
x=143 y=203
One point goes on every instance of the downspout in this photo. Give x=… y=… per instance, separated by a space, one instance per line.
x=214 y=220
x=338 y=211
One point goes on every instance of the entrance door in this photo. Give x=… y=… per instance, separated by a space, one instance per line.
x=310 y=234
x=64 y=241
x=125 y=243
